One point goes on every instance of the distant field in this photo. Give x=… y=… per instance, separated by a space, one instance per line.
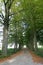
x=9 y=46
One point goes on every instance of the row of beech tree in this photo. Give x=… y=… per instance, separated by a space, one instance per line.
x=23 y=21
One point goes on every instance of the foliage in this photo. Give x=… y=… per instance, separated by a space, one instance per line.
x=23 y=19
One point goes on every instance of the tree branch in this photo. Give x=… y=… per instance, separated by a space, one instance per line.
x=5 y=2
x=10 y=4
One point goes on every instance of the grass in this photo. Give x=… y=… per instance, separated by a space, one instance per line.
x=10 y=52
x=39 y=52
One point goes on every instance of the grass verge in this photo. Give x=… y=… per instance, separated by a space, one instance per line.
x=9 y=53
x=39 y=52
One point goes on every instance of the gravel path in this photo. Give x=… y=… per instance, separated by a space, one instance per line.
x=24 y=59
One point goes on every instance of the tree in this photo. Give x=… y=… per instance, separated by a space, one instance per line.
x=7 y=7
x=24 y=11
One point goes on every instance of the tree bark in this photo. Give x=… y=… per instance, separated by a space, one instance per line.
x=15 y=47
x=20 y=46
x=35 y=41
x=5 y=41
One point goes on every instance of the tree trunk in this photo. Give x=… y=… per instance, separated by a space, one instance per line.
x=5 y=41
x=20 y=46
x=15 y=47
x=35 y=42
x=31 y=45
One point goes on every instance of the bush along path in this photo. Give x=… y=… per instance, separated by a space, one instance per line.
x=21 y=58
